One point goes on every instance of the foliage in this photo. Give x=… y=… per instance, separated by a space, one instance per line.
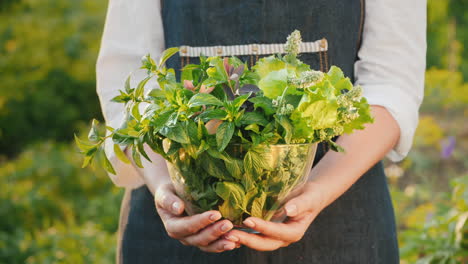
x=303 y=106
x=48 y=50
x=435 y=233
x=47 y=204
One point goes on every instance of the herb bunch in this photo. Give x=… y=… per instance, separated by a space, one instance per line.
x=217 y=124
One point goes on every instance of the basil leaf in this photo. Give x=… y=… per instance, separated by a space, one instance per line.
x=105 y=163
x=204 y=99
x=93 y=134
x=224 y=134
x=120 y=154
x=167 y=54
x=213 y=114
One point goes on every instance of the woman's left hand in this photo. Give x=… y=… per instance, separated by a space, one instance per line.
x=301 y=211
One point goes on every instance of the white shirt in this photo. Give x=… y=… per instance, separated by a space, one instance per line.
x=390 y=69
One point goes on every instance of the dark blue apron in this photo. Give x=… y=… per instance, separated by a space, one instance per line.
x=359 y=227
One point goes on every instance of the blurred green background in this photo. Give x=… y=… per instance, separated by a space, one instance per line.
x=52 y=211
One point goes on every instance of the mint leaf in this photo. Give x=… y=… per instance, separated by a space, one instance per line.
x=257 y=206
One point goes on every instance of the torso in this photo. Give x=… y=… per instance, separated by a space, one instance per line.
x=359 y=227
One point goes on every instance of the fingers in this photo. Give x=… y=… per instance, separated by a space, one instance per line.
x=290 y=232
x=209 y=234
x=308 y=201
x=219 y=246
x=180 y=227
x=257 y=242
x=165 y=198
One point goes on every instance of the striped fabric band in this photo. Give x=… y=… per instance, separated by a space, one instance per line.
x=251 y=49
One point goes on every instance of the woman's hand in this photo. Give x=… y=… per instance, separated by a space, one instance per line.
x=202 y=230
x=301 y=211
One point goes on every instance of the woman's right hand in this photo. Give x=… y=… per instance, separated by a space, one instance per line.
x=201 y=230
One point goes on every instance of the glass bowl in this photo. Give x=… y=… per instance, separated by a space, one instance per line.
x=241 y=183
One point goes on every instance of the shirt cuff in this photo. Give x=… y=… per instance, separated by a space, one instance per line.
x=403 y=109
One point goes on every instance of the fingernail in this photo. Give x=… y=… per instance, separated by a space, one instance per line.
x=176 y=207
x=232 y=238
x=228 y=247
x=249 y=223
x=215 y=216
x=225 y=227
x=291 y=209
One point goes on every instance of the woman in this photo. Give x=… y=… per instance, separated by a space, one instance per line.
x=344 y=213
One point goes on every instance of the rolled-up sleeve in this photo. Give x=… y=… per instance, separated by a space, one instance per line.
x=392 y=61
x=132 y=29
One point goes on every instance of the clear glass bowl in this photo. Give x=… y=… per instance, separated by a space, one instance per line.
x=242 y=183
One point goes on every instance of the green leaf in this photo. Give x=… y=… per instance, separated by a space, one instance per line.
x=136 y=111
x=147 y=62
x=264 y=103
x=253 y=127
x=268 y=64
x=224 y=134
x=105 y=163
x=87 y=160
x=235 y=167
x=166 y=55
x=122 y=138
x=232 y=192
x=274 y=83
x=200 y=99
x=127 y=84
x=84 y=146
x=136 y=157
x=287 y=126
x=257 y=206
x=257 y=159
x=217 y=73
x=335 y=147
x=239 y=101
x=141 y=87
x=141 y=149
x=214 y=167
x=253 y=118
x=157 y=93
x=93 y=134
x=177 y=133
x=123 y=98
x=192 y=132
x=213 y=114
x=230 y=212
x=335 y=74
x=120 y=154
x=161 y=120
